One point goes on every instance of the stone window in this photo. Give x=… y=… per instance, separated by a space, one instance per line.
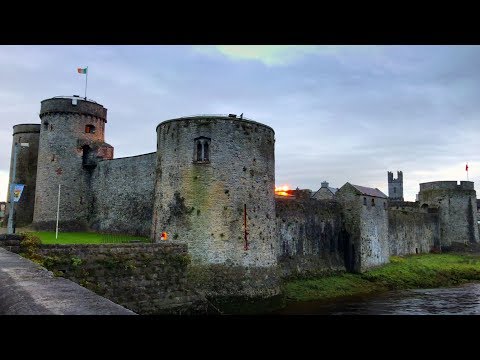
x=365 y=201
x=45 y=125
x=394 y=190
x=385 y=205
x=373 y=202
x=202 y=150
x=89 y=129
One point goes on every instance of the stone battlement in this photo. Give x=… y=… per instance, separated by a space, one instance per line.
x=76 y=105
x=447 y=185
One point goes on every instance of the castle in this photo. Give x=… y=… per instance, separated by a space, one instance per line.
x=210 y=184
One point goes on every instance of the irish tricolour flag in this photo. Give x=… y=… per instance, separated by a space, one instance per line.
x=82 y=70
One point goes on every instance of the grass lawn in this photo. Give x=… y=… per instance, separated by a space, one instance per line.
x=415 y=271
x=48 y=237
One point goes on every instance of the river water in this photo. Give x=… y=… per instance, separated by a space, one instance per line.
x=462 y=300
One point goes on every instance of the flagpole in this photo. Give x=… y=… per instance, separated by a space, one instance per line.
x=86 y=83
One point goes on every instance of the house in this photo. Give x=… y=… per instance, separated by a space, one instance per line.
x=325 y=192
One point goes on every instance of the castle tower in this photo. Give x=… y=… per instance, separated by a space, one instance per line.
x=25 y=172
x=457 y=209
x=71 y=141
x=395 y=186
x=214 y=174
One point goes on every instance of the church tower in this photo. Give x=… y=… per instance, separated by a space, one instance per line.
x=395 y=186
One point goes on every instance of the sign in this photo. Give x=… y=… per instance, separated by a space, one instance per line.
x=17 y=191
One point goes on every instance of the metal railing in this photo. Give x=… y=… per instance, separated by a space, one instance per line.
x=74 y=97
x=217 y=115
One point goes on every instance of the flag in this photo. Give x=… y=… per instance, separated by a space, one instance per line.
x=82 y=70
x=466 y=167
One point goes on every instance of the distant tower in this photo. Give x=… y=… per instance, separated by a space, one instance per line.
x=395 y=186
x=26 y=171
x=71 y=141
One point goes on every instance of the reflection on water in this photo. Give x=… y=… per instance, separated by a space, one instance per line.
x=462 y=300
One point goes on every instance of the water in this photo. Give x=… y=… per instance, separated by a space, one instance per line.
x=462 y=300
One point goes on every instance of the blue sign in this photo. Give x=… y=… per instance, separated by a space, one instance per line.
x=17 y=191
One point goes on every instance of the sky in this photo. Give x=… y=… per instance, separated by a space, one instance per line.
x=340 y=113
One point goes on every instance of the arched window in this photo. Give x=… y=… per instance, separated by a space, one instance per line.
x=373 y=202
x=206 y=150
x=202 y=150
x=199 y=151
x=89 y=129
x=365 y=201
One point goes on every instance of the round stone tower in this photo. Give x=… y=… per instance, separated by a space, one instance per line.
x=457 y=209
x=25 y=172
x=71 y=142
x=215 y=191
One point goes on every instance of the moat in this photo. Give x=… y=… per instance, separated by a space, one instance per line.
x=461 y=300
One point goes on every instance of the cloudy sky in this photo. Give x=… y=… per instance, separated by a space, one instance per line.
x=340 y=113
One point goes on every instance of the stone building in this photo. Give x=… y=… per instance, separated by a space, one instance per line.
x=395 y=186
x=325 y=192
x=457 y=205
x=366 y=220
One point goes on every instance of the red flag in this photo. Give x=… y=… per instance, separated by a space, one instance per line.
x=466 y=167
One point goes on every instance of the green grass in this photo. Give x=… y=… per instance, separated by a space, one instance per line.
x=415 y=271
x=48 y=237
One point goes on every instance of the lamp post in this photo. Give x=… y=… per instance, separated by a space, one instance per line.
x=12 y=186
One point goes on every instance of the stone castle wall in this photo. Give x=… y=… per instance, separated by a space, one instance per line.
x=123 y=194
x=310 y=238
x=457 y=209
x=203 y=203
x=26 y=172
x=412 y=230
x=145 y=278
x=61 y=161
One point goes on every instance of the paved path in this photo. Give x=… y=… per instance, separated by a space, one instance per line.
x=28 y=289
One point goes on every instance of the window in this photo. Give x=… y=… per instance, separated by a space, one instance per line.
x=45 y=125
x=202 y=150
x=89 y=129
x=385 y=205
x=365 y=201
x=394 y=190
x=373 y=202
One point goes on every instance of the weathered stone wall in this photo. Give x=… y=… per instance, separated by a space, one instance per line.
x=26 y=171
x=146 y=278
x=457 y=204
x=11 y=242
x=367 y=226
x=66 y=156
x=123 y=195
x=28 y=289
x=202 y=203
x=412 y=230
x=310 y=236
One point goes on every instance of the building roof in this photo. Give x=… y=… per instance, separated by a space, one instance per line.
x=331 y=189
x=369 y=191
